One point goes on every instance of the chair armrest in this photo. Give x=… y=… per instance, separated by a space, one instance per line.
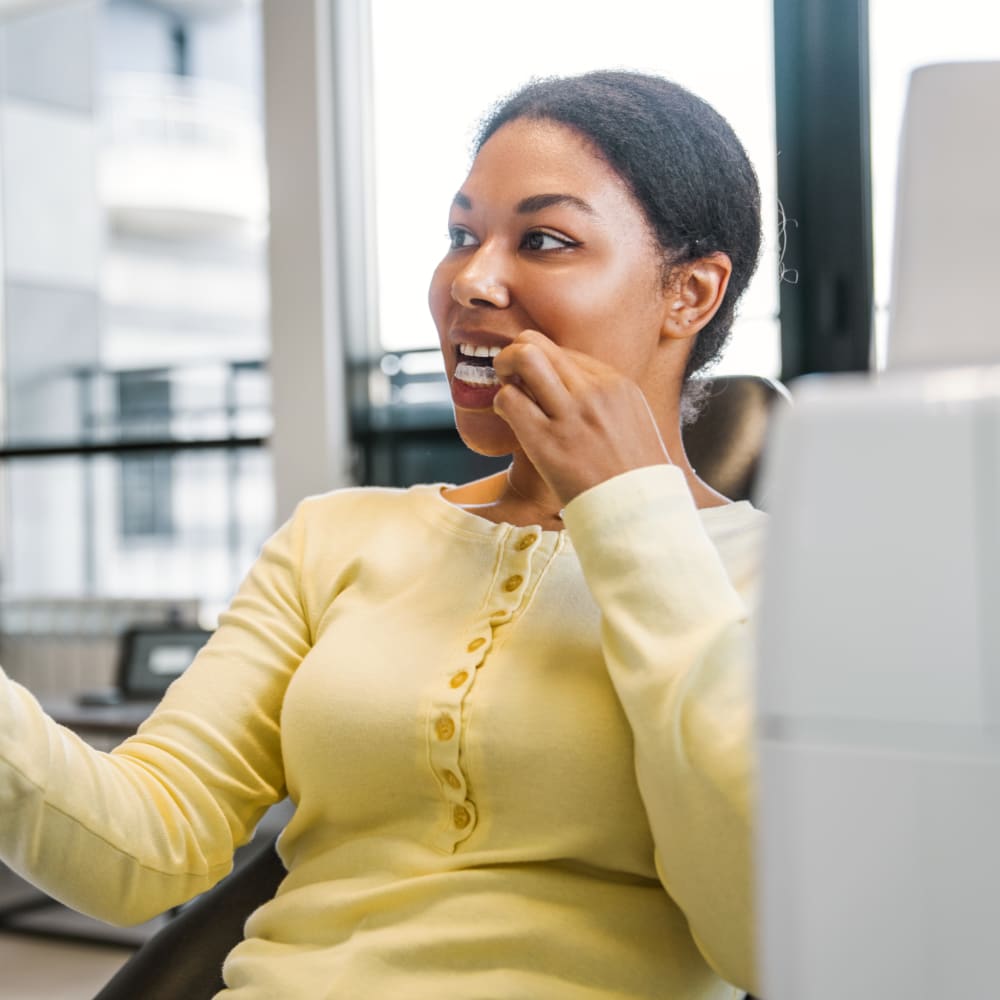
x=185 y=958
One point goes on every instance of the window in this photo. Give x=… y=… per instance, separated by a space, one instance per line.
x=133 y=279
x=146 y=481
x=438 y=67
x=146 y=497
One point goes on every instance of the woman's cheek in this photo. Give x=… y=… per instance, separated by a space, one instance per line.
x=439 y=293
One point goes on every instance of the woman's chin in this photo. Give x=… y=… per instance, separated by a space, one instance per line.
x=484 y=432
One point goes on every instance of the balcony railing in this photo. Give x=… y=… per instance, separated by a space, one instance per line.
x=209 y=404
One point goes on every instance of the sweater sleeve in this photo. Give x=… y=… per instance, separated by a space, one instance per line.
x=678 y=648
x=127 y=834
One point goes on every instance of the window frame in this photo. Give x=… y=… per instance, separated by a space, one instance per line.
x=826 y=308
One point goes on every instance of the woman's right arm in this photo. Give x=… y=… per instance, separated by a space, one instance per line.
x=126 y=835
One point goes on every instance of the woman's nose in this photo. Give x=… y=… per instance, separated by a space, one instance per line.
x=480 y=282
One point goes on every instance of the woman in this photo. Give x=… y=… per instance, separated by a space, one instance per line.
x=512 y=715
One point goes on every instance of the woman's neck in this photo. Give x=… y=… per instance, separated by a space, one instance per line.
x=520 y=495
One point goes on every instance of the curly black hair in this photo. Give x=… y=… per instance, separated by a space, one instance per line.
x=682 y=162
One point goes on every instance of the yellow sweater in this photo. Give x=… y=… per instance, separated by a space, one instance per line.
x=520 y=759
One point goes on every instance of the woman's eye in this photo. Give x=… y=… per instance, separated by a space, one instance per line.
x=460 y=238
x=539 y=240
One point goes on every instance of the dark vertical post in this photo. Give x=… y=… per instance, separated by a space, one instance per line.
x=180 y=44
x=824 y=184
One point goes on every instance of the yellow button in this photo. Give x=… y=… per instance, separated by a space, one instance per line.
x=526 y=542
x=452 y=779
x=462 y=817
x=459 y=679
x=476 y=644
x=513 y=582
x=444 y=727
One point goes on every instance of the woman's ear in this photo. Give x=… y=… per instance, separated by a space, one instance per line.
x=695 y=293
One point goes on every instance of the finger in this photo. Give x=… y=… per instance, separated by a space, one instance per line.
x=527 y=367
x=573 y=367
x=524 y=416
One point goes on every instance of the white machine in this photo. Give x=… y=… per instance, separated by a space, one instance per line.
x=879 y=678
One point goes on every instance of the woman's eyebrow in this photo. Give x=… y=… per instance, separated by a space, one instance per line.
x=536 y=202
x=533 y=203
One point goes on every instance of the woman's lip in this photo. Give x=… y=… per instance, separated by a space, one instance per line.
x=472 y=397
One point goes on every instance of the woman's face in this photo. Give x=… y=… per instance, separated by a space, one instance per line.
x=544 y=236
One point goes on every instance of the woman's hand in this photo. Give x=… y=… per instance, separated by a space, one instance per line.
x=578 y=420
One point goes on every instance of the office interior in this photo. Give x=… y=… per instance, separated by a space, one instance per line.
x=218 y=220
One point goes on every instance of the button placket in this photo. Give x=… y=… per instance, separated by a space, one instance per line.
x=507 y=594
x=444 y=744
x=513 y=575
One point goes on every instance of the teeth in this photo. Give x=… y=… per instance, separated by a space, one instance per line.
x=472 y=351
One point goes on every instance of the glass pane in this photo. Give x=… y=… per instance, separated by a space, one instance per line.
x=135 y=222
x=172 y=526
x=134 y=302
x=903 y=36
x=438 y=67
